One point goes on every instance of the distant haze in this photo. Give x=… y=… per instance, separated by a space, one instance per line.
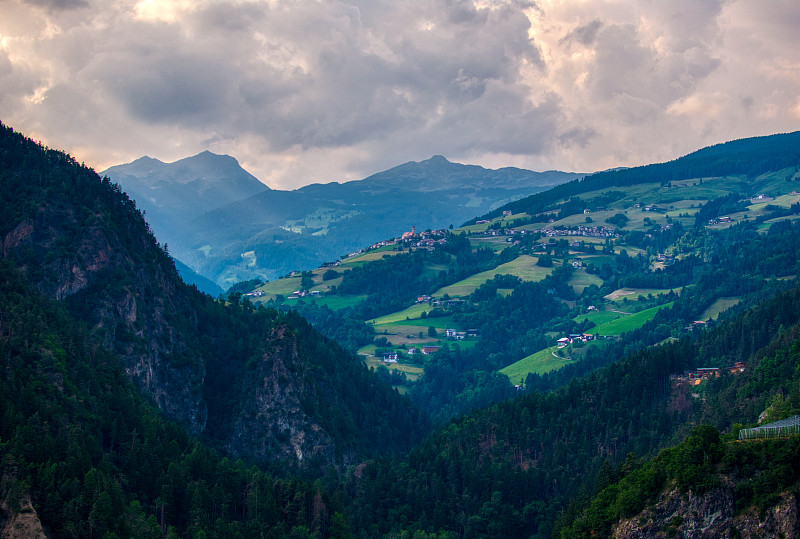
x=303 y=92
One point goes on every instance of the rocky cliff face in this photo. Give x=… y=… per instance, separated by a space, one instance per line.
x=272 y=423
x=20 y=523
x=75 y=256
x=712 y=515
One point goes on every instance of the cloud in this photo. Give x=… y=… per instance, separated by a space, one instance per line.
x=332 y=90
x=57 y=5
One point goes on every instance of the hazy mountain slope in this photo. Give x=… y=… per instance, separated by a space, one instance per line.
x=274 y=232
x=242 y=378
x=439 y=174
x=171 y=194
x=191 y=277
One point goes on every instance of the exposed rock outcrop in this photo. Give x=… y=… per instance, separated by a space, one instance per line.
x=23 y=523
x=78 y=258
x=272 y=423
x=711 y=515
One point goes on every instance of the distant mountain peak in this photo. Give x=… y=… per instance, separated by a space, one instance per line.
x=436 y=160
x=146 y=159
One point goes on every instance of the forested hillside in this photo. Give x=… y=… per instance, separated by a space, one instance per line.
x=510 y=469
x=79 y=443
x=597 y=325
x=255 y=383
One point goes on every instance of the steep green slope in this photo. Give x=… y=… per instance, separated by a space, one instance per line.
x=256 y=383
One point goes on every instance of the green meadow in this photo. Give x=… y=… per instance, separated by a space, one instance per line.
x=718 y=307
x=599 y=318
x=523 y=267
x=629 y=322
x=540 y=362
x=634 y=293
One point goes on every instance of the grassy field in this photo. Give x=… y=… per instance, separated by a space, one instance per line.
x=634 y=293
x=599 y=317
x=495 y=243
x=629 y=322
x=580 y=280
x=523 y=267
x=283 y=286
x=722 y=304
x=439 y=322
x=377 y=254
x=415 y=311
x=540 y=362
x=413 y=372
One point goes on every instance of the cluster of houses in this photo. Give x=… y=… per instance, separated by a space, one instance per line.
x=698 y=375
x=649 y=207
x=427 y=349
x=575 y=337
x=696 y=325
x=588 y=231
x=392 y=357
x=453 y=334
x=297 y=294
x=720 y=220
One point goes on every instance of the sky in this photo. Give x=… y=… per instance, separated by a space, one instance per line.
x=321 y=90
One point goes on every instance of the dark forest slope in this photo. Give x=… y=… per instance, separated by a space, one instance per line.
x=258 y=384
x=83 y=455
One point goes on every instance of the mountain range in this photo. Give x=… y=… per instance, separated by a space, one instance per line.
x=583 y=362
x=228 y=227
